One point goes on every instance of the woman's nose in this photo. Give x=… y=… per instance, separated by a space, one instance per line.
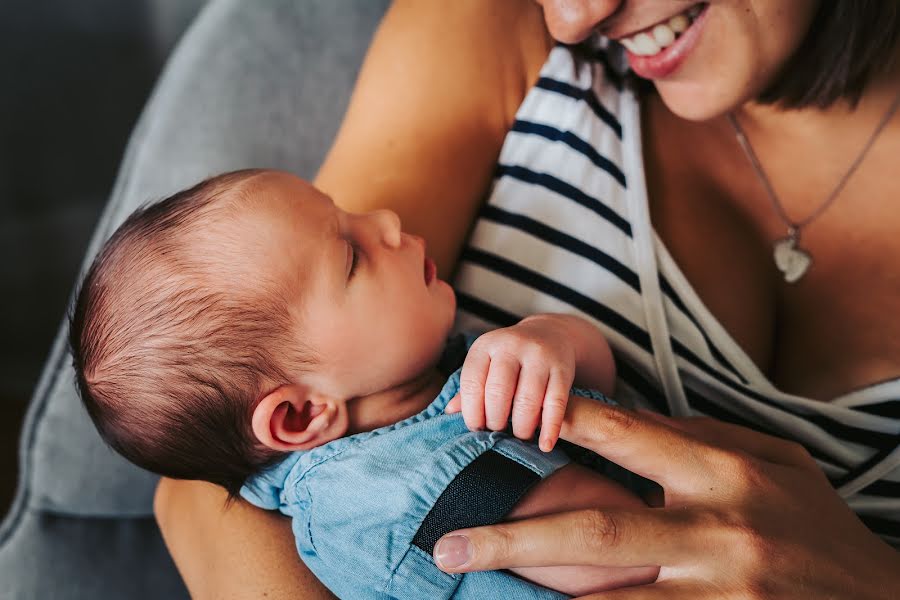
x=571 y=21
x=389 y=227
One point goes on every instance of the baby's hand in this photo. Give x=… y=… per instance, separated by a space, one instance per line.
x=528 y=368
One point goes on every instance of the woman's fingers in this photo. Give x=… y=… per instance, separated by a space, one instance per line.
x=672 y=458
x=760 y=445
x=665 y=590
x=613 y=538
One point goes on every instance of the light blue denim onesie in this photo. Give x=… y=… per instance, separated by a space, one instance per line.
x=358 y=502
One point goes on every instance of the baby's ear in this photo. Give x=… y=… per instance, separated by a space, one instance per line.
x=293 y=417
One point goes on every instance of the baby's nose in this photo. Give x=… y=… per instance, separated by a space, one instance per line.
x=390 y=227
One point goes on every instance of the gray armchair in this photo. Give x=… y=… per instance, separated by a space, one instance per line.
x=261 y=83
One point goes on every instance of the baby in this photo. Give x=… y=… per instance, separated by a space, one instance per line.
x=250 y=333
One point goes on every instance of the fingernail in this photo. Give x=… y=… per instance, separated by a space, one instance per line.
x=452 y=552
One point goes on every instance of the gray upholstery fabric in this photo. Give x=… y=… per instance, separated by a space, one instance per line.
x=252 y=84
x=51 y=557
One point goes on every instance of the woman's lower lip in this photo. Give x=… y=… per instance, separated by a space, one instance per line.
x=667 y=61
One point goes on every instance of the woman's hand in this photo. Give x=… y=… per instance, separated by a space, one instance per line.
x=745 y=515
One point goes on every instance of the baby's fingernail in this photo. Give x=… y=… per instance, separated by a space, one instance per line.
x=452 y=552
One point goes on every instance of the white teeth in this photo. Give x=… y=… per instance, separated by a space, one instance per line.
x=645 y=45
x=679 y=23
x=629 y=45
x=663 y=35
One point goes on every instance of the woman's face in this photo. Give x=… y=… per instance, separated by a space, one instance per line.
x=729 y=53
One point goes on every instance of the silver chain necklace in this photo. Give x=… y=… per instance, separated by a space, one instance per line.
x=792 y=260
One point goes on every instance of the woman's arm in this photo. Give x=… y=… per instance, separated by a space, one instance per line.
x=240 y=552
x=437 y=92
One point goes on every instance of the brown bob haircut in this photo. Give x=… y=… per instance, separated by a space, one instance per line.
x=848 y=44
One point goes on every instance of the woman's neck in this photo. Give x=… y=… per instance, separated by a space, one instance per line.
x=769 y=122
x=390 y=406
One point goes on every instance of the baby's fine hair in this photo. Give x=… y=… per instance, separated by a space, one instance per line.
x=171 y=350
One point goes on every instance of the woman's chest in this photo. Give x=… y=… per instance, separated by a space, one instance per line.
x=825 y=335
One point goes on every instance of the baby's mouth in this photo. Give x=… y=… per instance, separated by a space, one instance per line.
x=429 y=270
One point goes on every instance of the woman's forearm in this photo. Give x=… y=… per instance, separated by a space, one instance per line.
x=425 y=126
x=241 y=552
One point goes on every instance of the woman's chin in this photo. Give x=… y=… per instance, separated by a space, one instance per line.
x=695 y=101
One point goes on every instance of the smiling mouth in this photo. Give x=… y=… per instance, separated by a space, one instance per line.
x=654 y=39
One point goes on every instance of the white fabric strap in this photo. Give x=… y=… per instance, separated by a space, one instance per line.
x=645 y=258
x=879 y=470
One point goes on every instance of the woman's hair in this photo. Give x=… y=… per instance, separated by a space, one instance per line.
x=848 y=43
x=171 y=351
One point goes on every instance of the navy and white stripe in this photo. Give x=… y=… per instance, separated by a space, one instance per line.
x=562 y=232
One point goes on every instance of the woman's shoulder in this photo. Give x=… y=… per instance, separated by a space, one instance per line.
x=436 y=97
x=499 y=46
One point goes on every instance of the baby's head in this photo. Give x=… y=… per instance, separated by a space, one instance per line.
x=233 y=321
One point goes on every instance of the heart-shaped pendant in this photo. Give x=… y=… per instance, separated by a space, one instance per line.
x=791 y=260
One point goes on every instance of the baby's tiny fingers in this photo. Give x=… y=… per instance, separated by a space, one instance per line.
x=454 y=406
x=555 y=402
x=499 y=389
x=526 y=408
x=471 y=388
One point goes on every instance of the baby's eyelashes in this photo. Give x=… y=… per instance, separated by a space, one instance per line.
x=354 y=259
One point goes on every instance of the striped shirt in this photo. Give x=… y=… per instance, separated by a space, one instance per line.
x=566 y=228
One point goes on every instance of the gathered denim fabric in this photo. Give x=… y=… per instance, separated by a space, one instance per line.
x=357 y=502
